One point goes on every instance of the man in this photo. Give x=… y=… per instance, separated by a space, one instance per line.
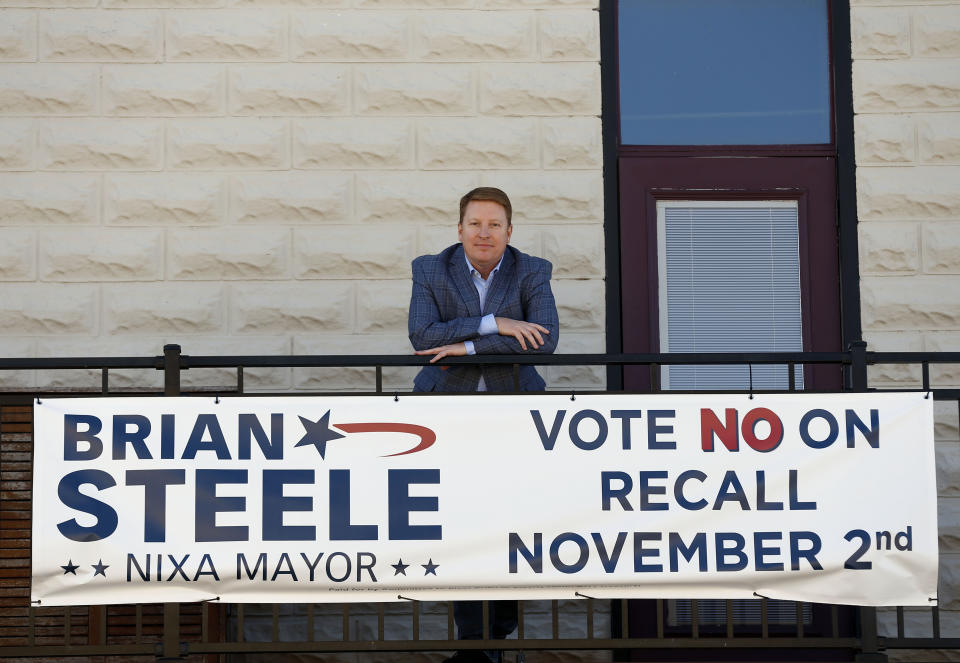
x=481 y=296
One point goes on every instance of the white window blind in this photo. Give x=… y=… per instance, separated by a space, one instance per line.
x=729 y=282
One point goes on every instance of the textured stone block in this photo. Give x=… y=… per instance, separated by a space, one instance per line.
x=163 y=89
x=884 y=138
x=254 y=379
x=228 y=253
x=288 y=3
x=527 y=238
x=262 y=143
x=579 y=304
x=338 y=252
x=353 y=143
x=95 y=254
x=569 y=35
x=234 y=35
x=42 y=198
x=100 y=346
x=948 y=469
x=383 y=306
x=468 y=143
x=548 y=4
x=164 y=199
x=18 y=249
x=290 y=197
x=921 y=192
x=353 y=35
x=164 y=308
x=412 y=4
x=939 y=137
x=16 y=144
x=943 y=375
x=890 y=86
x=894 y=375
x=99 y=144
x=49 y=4
x=18 y=36
x=575 y=251
x=291 y=89
x=163 y=4
x=577 y=377
x=412 y=197
x=434 y=239
x=567 y=88
x=941 y=247
x=553 y=196
x=936 y=31
x=291 y=307
x=909 y=302
x=880 y=32
x=17 y=347
x=48 y=308
x=945 y=422
x=889 y=248
x=475 y=35
x=414 y=89
x=349 y=379
x=43 y=89
x=572 y=142
x=99 y=36
x=948 y=589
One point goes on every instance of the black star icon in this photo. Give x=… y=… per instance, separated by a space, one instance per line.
x=429 y=568
x=318 y=433
x=100 y=569
x=399 y=569
x=70 y=568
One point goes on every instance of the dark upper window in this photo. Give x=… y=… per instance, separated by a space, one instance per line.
x=724 y=72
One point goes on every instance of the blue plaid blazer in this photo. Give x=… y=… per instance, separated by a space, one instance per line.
x=445 y=308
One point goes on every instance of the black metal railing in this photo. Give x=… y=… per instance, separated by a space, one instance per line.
x=599 y=625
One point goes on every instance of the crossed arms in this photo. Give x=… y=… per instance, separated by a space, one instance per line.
x=431 y=334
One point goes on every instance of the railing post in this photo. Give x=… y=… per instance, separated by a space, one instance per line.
x=867 y=616
x=869 y=640
x=171 y=370
x=170 y=646
x=858 y=365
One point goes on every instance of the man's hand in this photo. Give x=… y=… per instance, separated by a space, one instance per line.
x=453 y=350
x=522 y=331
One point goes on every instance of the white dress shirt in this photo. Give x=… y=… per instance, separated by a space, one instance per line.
x=488 y=324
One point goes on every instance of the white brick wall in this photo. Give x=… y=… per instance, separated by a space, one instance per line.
x=906 y=76
x=255 y=176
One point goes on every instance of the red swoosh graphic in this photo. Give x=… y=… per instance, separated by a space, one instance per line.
x=427 y=436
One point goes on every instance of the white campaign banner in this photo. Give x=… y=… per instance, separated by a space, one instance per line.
x=815 y=497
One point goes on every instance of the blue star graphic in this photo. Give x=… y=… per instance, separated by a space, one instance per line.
x=100 y=569
x=399 y=569
x=429 y=568
x=70 y=568
x=318 y=433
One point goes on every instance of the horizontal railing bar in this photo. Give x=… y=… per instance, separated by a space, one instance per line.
x=58 y=363
x=516 y=644
x=371 y=361
x=920 y=643
x=341 y=361
x=874 y=357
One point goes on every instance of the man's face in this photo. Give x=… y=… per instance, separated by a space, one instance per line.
x=484 y=233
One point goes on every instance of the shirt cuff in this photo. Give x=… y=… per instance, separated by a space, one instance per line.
x=470 y=349
x=488 y=325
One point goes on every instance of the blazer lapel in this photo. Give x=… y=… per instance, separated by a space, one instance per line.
x=461 y=278
x=501 y=284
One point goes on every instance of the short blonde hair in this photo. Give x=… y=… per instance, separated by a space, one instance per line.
x=490 y=193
